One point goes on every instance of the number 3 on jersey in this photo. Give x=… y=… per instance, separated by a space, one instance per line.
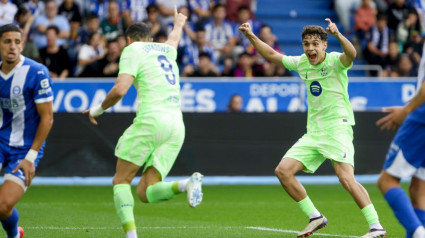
x=168 y=69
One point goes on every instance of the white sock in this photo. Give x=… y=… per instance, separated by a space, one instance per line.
x=131 y=234
x=419 y=232
x=375 y=226
x=182 y=185
x=315 y=214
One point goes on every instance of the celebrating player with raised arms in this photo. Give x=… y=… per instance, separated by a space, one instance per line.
x=26 y=117
x=157 y=133
x=329 y=125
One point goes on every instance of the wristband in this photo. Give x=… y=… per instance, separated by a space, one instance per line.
x=96 y=111
x=31 y=155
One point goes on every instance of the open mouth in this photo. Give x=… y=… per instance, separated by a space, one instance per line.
x=312 y=57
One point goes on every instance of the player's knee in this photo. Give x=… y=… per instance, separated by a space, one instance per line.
x=282 y=172
x=5 y=210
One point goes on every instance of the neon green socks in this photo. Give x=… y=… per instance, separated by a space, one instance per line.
x=162 y=191
x=308 y=208
x=371 y=216
x=124 y=204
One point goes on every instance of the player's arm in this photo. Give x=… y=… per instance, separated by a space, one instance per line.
x=265 y=50
x=176 y=33
x=349 y=52
x=397 y=115
x=120 y=88
x=45 y=110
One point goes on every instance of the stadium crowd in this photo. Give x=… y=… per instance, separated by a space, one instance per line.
x=76 y=38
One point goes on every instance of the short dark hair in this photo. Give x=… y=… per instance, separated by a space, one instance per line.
x=243 y=7
x=138 y=31
x=151 y=7
x=53 y=27
x=314 y=30
x=9 y=28
x=204 y=54
x=218 y=5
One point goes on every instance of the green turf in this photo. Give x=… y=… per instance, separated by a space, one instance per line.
x=227 y=211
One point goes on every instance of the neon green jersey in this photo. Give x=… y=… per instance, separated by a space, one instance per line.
x=327 y=95
x=156 y=75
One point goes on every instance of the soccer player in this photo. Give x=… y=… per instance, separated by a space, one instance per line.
x=406 y=158
x=156 y=135
x=26 y=116
x=329 y=125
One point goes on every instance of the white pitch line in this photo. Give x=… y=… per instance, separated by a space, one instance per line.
x=292 y=231
x=119 y=228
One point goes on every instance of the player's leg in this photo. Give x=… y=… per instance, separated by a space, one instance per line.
x=417 y=195
x=345 y=173
x=123 y=198
x=404 y=159
x=11 y=192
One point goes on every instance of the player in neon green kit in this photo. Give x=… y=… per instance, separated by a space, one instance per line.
x=157 y=133
x=329 y=126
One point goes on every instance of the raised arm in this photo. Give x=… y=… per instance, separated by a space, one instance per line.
x=176 y=33
x=349 y=52
x=265 y=50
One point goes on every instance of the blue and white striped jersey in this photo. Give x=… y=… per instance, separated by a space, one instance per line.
x=25 y=86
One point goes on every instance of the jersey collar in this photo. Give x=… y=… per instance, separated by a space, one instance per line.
x=7 y=76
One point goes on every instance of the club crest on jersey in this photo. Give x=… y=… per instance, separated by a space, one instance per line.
x=324 y=72
x=315 y=88
x=16 y=90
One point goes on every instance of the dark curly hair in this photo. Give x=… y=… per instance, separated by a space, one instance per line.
x=314 y=30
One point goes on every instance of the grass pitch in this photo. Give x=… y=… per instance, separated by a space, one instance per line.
x=227 y=211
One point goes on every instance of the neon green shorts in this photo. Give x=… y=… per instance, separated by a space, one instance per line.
x=153 y=140
x=314 y=148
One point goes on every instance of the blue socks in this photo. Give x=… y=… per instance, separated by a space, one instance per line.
x=403 y=209
x=10 y=224
x=421 y=215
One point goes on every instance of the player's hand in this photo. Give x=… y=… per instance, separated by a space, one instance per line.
x=245 y=28
x=332 y=28
x=179 y=18
x=28 y=169
x=92 y=119
x=394 y=119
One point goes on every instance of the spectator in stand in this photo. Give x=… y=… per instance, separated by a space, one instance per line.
x=153 y=19
x=113 y=25
x=397 y=12
x=201 y=10
x=92 y=25
x=364 y=19
x=51 y=18
x=160 y=37
x=54 y=56
x=109 y=64
x=245 y=67
x=390 y=62
x=232 y=7
x=71 y=11
x=100 y=8
x=36 y=7
x=378 y=40
x=166 y=9
x=192 y=51
x=136 y=10
x=24 y=20
x=122 y=42
x=228 y=67
x=262 y=65
x=408 y=30
x=221 y=34
x=205 y=67
x=244 y=16
x=235 y=103
x=88 y=56
x=343 y=9
x=7 y=12
x=404 y=67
